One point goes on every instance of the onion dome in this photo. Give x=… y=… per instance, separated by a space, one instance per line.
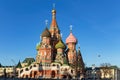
x=38 y=46
x=71 y=39
x=60 y=44
x=46 y=33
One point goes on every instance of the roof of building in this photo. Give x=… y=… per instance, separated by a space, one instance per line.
x=90 y=68
x=27 y=60
x=46 y=33
x=71 y=39
x=60 y=44
x=19 y=65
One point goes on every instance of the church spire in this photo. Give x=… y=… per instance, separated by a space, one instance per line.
x=80 y=63
x=54 y=30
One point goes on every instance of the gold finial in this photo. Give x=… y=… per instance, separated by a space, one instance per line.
x=71 y=28
x=53 y=10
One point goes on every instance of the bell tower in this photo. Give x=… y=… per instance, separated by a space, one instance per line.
x=55 y=32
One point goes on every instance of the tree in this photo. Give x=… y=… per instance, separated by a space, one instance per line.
x=106 y=68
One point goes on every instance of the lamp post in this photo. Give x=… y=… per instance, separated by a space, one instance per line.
x=93 y=71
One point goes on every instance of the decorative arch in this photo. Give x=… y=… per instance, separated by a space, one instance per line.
x=31 y=74
x=35 y=73
x=53 y=74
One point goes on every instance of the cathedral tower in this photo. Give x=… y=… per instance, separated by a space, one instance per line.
x=80 y=64
x=44 y=48
x=60 y=46
x=55 y=33
x=54 y=30
x=71 y=44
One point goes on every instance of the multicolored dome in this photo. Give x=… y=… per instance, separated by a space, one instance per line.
x=60 y=44
x=71 y=39
x=46 y=33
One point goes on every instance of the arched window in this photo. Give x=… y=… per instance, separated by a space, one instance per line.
x=26 y=69
x=35 y=73
x=26 y=76
x=53 y=64
x=31 y=74
x=21 y=71
x=30 y=67
x=34 y=65
x=72 y=71
x=57 y=66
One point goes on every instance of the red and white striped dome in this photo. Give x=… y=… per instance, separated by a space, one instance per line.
x=71 y=39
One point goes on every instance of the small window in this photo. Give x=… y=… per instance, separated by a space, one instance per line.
x=57 y=66
x=30 y=67
x=34 y=65
x=26 y=69
x=71 y=71
x=21 y=71
x=65 y=69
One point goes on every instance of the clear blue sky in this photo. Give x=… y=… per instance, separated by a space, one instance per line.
x=96 y=25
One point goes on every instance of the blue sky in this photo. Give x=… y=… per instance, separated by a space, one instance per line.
x=96 y=25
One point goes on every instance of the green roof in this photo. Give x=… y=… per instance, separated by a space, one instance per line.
x=114 y=67
x=19 y=65
x=38 y=46
x=60 y=44
x=29 y=60
x=46 y=33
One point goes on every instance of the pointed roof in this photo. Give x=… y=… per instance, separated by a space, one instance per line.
x=79 y=53
x=46 y=33
x=19 y=65
x=0 y=65
x=54 y=26
x=27 y=60
x=79 y=59
x=71 y=39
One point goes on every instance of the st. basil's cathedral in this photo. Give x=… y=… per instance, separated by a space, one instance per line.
x=55 y=59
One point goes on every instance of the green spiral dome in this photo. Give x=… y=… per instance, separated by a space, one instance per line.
x=60 y=44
